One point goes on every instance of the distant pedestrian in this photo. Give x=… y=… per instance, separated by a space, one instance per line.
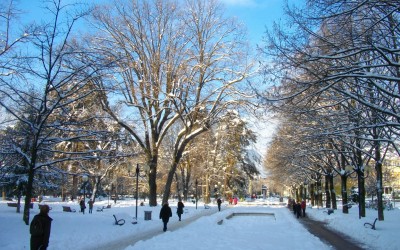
x=90 y=202
x=294 y=205
x=230 y=200
x=303 y=208
x=179 y=210
x=235 y=200
x=219 y=204
x=165 y=213
x=82 y=205
x=298 y=209
x=40 y=229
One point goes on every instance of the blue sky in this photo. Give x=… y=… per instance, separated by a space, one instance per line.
x=256 y=14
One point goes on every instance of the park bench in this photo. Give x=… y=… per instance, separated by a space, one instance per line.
x=14 y=204
x=348 y=205
x=68 y=209
x=329 y=211
x=100 y=209
x=372 y=225
x=206 y=206
x=119 y=222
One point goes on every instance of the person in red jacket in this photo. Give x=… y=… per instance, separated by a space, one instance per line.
x=303 y=208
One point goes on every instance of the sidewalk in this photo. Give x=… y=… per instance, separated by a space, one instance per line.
x=331 y=237
x=131 y=240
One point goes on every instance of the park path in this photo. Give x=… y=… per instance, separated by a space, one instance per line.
x=131 y=240
x=332 y=238
x=329 y=236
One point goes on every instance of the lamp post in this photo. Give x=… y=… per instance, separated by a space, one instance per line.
x=137 y=188
x=85 y=179
x=108 y=191
x=196 y=192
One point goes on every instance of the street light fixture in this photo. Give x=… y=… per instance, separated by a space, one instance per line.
x=137 y=171
x=196 y=182
x=137 y=188
x=108 y=191
x=85 y=179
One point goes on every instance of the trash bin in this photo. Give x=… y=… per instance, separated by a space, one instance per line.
x=147 y=215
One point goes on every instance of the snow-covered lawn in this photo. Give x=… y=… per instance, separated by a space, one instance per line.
x=277 y=229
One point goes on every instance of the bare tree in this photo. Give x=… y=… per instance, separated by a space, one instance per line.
x=173 y=63
x=46 y=78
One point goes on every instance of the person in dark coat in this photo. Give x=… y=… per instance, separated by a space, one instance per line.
x=180 y=209
x=82 y=205
x=298 y=209
x=303 y=208
x=90 y=202
x=294 y=204
x=219 y=204
x=42 y=241
x=165 y=213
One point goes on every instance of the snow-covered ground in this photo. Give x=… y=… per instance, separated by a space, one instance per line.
x=277 y=228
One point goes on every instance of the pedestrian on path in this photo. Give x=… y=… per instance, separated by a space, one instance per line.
x=90 y=202
x=294 y=205
x=235 y=200
x=82 y=205
x=219 y=204
x=180 y=209
x=298 y=209
x=303 y=208
x=165 y=213
x=40 y=228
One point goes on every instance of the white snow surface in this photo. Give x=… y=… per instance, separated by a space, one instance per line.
x=276 y=228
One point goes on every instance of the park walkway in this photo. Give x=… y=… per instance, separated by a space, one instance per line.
x=330 y=237
x=131 y=240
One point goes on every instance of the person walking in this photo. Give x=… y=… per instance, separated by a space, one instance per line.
x=180 y=209
x=165 y=213
x=40 y=228
x=82 y=205
x=303 y=208
x=298 y=209
x=219 y=204
x=294 y=205
x=90 y=202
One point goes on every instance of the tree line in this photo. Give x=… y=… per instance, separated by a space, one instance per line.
x=335 y=86
x=94 y=90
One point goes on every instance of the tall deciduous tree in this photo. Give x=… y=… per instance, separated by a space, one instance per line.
x=45 y=78
x=173 y=63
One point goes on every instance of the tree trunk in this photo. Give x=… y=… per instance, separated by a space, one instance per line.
x=343 y=180
x=153 y=181
x=319 y=192
x=170 y=177
x=361 y=182
x=379 y=181
x=332 y=191
x=28 y=194
x=312 y=194
x=187 y=180
x=327 y=193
